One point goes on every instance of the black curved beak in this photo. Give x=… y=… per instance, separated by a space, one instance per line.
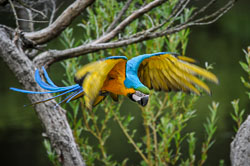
x=144 y=101
x=139 y=97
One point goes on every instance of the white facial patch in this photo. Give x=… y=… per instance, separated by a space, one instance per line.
x=137 y=96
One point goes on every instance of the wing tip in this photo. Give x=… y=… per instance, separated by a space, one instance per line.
x=187 y=59
x=211 y=77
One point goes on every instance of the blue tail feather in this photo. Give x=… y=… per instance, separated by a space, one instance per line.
x=66 y=92
x=80 y=91
x=67 y=98
x=43 y=84
x=52 y=88
x=46 y=86
x=47 y=78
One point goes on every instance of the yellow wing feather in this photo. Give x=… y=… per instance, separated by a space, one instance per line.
x=182 y=79
x=94 y=75
x=98 y=99
x=167 y=72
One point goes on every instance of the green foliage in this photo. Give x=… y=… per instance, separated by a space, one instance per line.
x=238 y=114
x=246 y=68
x=164 y=118
x=51 y=153
x=210 y=128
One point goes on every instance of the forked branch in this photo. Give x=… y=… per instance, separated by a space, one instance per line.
x=62 y=22
x=49 y=57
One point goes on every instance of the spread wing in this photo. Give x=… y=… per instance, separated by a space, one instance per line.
x=93 y=75
x=168 y=72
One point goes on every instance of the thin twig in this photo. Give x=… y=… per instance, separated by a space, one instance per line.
x=172 y=16
x=53 y=12
x=49 y=57
x=30 y=16
x=130 y=139
x=15 y=14
x=30 y=8
x=85 y=119
x=129 y=20
x=119 y=16
x=62 y=22
x=183 y=6
x=204 y=8
x=162 y=107
x=148 y=134
x=34 y=21
x=153 y=127
x=216 y=14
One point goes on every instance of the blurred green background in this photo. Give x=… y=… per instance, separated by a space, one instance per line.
x=220 y=43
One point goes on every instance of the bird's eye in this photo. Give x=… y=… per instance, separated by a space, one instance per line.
x=110 y=78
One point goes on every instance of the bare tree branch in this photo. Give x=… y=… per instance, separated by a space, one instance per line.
x=30 y=16
x=30 y=8
x=33 y=21
x=128 y=20
x=181 y=7
x=51 y=56
x=202 y=9
x=119 y=16
x=216 y=15
x=53 y=12
x=176 y=12
x=15 y=14
x=62 y=22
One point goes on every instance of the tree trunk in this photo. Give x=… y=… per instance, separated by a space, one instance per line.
x=240 y=146
x=53 y=118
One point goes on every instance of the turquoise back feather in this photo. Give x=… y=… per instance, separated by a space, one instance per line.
x=132 y=80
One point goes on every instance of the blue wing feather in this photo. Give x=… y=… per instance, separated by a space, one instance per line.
x=116 y=57
x=132 y=80
x=80 y=91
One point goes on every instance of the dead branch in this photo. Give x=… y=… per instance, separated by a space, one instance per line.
x=53 y=12
x=62 y=22
x=15 y=14
x=51 y=56
x=30 y=8
x=33 y=21
x=119 y=16
x=128 y=20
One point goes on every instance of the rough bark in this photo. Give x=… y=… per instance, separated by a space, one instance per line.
x=240 y=146
x=53 y=118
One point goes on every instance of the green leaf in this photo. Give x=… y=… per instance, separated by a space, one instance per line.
x=244 y=66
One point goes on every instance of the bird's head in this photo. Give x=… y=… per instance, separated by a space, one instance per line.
x=140 y=96
x=140 y=92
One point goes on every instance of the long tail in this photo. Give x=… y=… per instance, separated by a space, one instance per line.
x=74 y=91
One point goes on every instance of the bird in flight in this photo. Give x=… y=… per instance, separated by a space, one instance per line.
x=116 y=75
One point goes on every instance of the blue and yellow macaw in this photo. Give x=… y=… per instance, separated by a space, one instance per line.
x=116 y=75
